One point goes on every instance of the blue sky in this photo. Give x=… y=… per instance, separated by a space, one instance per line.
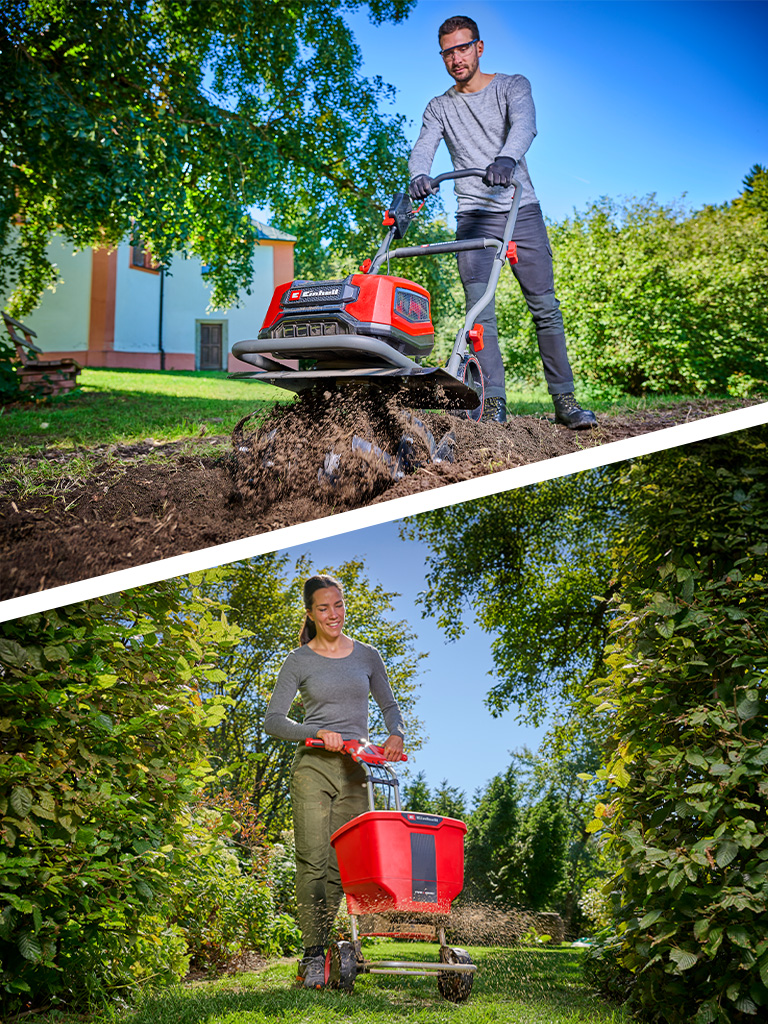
x=466 y=745
x=631 y=97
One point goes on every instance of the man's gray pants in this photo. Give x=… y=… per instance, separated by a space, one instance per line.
x=536 y=279
x=327 y=791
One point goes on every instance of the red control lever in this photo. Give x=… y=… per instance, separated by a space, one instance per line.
x=475 y=336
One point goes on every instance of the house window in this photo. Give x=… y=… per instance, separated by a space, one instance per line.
x=142 y=260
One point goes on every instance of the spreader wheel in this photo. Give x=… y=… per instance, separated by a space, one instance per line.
x=454 y=986
x=341 y=966
x=471 y=375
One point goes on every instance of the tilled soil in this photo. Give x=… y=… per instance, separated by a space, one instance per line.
x=301 y=464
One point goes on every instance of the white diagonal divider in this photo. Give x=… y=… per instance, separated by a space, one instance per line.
x=386 y=511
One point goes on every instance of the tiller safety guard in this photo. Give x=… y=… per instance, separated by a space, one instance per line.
x=376 y=329
x=406 y=868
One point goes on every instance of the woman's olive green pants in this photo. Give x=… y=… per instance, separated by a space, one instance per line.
x=327 y=790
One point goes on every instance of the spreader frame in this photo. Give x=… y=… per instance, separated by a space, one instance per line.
x=345 y=960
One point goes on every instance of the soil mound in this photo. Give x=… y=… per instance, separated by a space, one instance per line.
x=320 y=455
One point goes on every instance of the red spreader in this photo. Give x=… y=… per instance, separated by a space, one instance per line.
x=406 y=868
x=399 y=860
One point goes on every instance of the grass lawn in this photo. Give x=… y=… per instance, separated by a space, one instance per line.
x=512 y=986
x=124 y=406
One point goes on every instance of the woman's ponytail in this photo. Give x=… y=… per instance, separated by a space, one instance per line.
x=308 y=631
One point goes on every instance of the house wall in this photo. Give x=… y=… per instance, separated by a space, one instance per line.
x=107 y=313
x=62 y=320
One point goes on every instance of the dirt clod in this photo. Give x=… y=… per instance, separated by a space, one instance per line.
x=300 y=464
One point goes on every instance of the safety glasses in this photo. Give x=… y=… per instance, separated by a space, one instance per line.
x=458 y=51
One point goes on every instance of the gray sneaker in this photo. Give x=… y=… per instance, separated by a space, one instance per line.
x=311 y=972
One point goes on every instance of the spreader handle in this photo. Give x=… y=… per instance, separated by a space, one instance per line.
x=367 y=752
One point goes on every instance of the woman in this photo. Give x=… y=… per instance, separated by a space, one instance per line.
x=334 y=676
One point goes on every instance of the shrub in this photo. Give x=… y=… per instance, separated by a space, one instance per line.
x=686 y=808
x=102 y=737
x=603 y=968
x=222 y=908
x=281 y=873
x=654 y=299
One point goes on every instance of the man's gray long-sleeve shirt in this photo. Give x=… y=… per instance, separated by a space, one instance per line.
x=334 y=692
x=499 y=120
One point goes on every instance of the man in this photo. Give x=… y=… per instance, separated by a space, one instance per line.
x=489 y=121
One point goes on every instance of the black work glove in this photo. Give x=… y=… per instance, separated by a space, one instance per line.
x=421 y=187
x=500 y=172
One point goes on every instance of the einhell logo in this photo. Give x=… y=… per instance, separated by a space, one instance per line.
x=313 y=294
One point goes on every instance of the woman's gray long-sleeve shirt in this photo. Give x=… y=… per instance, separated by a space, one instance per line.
x=334 y=692
x=499 y=120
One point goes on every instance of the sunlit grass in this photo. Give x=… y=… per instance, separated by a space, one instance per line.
x=518 y=986
x=122 y=407
x=125 y=406
x=538 y=402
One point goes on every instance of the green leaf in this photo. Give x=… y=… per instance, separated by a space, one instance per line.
x=56 y=653
x=739 y=935
x=726 y=853
x=682 y=958
x=12 y=653
x=30 y=948
x=706 y=1013
x=696 y=759
x=21 y=801
x=745 y=1005
x=650 y=918
x=748 y=709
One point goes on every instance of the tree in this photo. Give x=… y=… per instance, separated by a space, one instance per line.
x=416 y=796
x=168 y=121
x=542 y=860
x=447 y=801
x=491 y=839
x=755 y=188
x=102 y=746
x=516 y=855
x=567 y=774
x=264 y=600
x=534 y=567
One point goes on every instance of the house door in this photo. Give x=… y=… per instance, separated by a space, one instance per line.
x=210 y=346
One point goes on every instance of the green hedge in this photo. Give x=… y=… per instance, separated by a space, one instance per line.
x=686 y=806
x=655 y=299
x=102 y=737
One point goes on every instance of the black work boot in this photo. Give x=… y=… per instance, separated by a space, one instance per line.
x=495 y=409
x=570 y=414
